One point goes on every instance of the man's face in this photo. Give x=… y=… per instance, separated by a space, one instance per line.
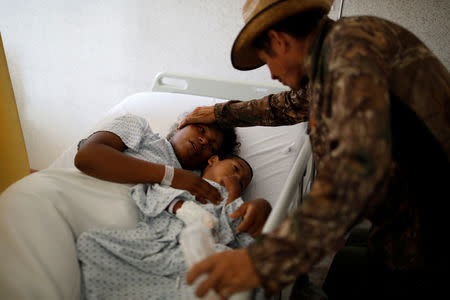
x=194 y=144
x=286 y=60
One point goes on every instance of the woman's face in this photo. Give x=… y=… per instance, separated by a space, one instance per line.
x=194 y=144
x=286 y=62
x=283 y=69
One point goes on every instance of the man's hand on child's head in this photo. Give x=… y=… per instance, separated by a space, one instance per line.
x=197 y=186
x=255 y=213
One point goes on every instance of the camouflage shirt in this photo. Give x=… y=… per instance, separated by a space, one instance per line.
x=376 y=96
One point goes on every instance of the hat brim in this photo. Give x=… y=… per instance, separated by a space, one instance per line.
x=243 y=54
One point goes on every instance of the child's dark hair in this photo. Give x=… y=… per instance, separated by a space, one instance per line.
x=233 y=155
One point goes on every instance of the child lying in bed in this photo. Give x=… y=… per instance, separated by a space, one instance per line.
x=147 y=262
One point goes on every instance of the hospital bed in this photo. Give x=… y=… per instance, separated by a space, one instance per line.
x=38 y=231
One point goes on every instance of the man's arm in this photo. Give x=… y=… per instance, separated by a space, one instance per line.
x=274 y=110
x=285 y=108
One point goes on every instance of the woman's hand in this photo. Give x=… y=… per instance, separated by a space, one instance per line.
x=255 y=214
x=201 y=189
x=227 y=272
x=204 y=114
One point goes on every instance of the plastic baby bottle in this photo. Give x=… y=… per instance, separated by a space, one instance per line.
x=197 y=244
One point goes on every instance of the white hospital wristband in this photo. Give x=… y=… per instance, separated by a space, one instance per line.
x=168 y=176
x=172 y=204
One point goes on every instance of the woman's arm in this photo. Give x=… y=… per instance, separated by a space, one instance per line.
x=101 y=156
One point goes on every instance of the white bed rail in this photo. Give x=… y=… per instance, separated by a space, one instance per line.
x=294 y=188
x=297 y=185
x=187 y=84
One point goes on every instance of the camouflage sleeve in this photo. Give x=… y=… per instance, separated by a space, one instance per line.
x=351 y=172
x=285 y=108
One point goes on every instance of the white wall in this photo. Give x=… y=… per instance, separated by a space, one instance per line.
x=71 y=60
x=428 y=19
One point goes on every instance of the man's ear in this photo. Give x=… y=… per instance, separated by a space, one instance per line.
x=278 y=41
x=213 y=160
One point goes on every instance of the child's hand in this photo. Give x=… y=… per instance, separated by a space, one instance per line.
x=231 y=183
x=197 y=186
x=255 y=214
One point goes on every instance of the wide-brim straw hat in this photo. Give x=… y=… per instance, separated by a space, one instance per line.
x=259 y=16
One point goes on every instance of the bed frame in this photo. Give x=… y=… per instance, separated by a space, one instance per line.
x=202 y=86
x=302 y=172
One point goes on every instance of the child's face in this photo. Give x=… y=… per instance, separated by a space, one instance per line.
x=194 y=144
x=218 y=170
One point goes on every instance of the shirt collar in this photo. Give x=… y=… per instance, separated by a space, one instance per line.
x=313 y=53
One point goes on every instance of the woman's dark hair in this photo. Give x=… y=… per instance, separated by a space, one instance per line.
x=299 y=26
x=230 y=144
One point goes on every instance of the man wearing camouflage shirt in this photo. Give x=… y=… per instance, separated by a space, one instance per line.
x=378 y=106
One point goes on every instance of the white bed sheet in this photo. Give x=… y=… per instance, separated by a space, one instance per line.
x=39 y=223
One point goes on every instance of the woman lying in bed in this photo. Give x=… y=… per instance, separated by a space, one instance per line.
x=126 y=150
x=147 y=262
